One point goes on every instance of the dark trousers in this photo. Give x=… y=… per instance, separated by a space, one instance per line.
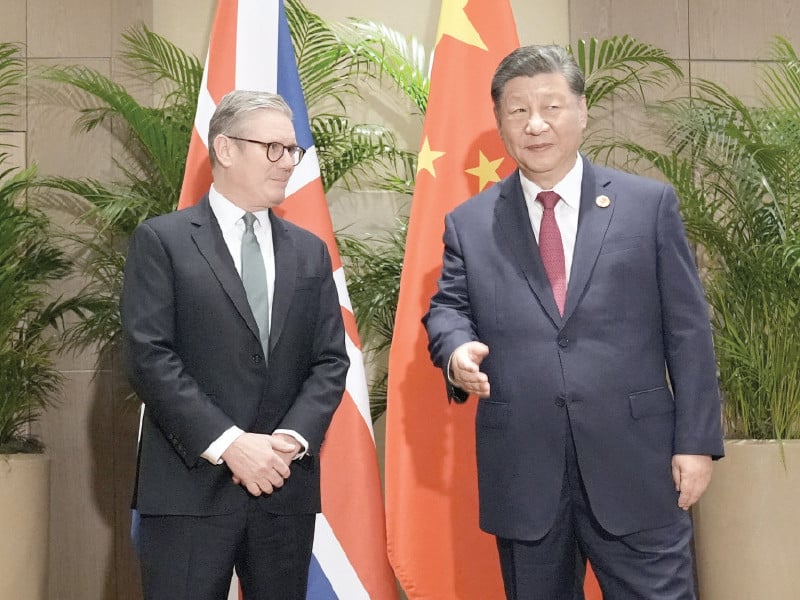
x=192 y=558
x=655 y=564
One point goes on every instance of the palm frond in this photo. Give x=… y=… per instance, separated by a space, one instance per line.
x=29 y=261
x=12 y=70
x=781 y=82
x=357 y=156
x=373 y=269
x=322 y=59
x=623 y=66
x=387 y=53
x=149 y=54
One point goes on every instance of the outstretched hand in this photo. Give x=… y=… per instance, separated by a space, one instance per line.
x=465 y=368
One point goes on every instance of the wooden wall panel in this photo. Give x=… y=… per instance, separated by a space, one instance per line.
x=541 y=21
x=12 y=24
x=126 y=430
x=13 y=144
x=53 y=141
x=739 y=77
x=588 y=19
x=79 y=439
x=124 y=14
x=186 y=24
x=69 y=28
x=741 y=29
x=666 y=23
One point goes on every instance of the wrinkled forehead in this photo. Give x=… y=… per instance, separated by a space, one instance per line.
x=539 y=86
x=266 y=122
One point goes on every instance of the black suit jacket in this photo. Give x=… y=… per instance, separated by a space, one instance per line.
x=629 y=367
x=193 y=356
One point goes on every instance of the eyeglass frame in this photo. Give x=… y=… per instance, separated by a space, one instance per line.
x=301 y=152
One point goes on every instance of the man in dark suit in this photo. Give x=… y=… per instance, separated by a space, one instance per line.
x=235 y=344
x=569 y=302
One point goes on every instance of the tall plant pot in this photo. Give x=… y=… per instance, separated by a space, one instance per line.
x=747 y=524
x=24 y=523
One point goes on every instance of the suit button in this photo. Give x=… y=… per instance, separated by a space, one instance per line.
x=563 y=342
x=256 y=359
x=561 y=401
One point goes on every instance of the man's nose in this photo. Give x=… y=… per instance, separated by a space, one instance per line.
x=536 y=124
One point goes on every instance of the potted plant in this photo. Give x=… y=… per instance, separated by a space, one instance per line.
x=29 y=261
x=735 y=168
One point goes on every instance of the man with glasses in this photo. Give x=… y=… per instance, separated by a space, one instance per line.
x=234 y=341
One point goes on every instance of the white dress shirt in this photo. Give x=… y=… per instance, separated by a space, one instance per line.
x=229 y=216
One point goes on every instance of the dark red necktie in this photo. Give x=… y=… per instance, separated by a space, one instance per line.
x=551 y=248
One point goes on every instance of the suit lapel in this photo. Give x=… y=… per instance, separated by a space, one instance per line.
x=285 y=275
x=512 y=216
x=208 y=238
x=593 y=221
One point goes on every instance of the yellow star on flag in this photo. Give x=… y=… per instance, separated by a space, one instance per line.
x=427 y=157
x=486 y=171
x=454 y=22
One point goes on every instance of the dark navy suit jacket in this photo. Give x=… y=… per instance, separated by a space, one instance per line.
x=194 y=358
x=630 y=366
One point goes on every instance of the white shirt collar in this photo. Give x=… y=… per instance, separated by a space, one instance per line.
x=228 y=214
x=568 y=188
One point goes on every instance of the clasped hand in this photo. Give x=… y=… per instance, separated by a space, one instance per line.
x=260 y=462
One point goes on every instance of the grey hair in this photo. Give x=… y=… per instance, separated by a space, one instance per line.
x=528 y=61
x=233 y=108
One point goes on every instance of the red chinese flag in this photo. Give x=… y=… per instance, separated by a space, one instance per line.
x=435 y=546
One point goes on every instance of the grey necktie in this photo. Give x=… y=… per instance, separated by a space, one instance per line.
x=254 y=278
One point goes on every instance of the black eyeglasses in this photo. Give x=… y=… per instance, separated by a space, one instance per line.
x=275 y=150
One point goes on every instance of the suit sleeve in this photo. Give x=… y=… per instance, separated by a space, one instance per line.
x=687 y=338
x=174 y=401
x=449 y=320
x=321 y=392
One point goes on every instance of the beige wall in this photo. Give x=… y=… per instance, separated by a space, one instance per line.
x=91 y=436
x=187 y=22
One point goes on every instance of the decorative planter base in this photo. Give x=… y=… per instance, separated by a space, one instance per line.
x=747 y=525
x=24 y=523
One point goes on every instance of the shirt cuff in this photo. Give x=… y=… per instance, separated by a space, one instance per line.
x=300 y=439
x=214 y=452
x=449 y=378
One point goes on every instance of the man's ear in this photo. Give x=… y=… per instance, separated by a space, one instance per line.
x=584 y=112
x=223 y=148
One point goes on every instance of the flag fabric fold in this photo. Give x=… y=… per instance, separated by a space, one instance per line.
x=250 y=48
x=435 y=545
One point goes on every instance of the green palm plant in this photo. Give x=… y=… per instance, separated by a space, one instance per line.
x=619 y=73
x=335 y=62
x=735 y=168
x=622 y=67
x=29 y=260
x=154 y=140
x=373 y=281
